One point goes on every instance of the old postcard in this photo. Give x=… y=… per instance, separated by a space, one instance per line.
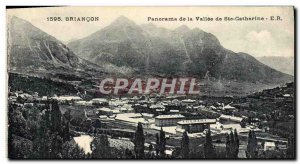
x=151 y=83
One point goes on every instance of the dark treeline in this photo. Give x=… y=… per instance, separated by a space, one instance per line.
x=42 y=85
x=41 y=132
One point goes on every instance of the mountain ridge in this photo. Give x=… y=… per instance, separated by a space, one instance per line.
x=183 y=51
x=30 y=46
x=31 y=50
x=280 y=63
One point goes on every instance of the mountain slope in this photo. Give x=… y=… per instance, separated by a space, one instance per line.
x=30 y=50
x=148 y=49
x=282 y=64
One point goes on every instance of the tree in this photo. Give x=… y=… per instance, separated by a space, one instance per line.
x=150 y=147
x=237 y=144
x=66 y=126
x=243 y=123
x=139 y=141
x=290 y=152
x=252 y=145
x=162 y=143
x=71 y=150
x=43 y=140
x=157 y=145
x=97 y=123
x=20 y=148
x=232 y=145
x=42 y=144
x=78 y=153
x=250 y=120
x=55 y=117
x=209 y=150
x=100 y=147
x=228 y=145
x=18 y=133
x=48 y=139
x=128 y=154
x=185 y=146
x=56 y=146
x=20 y=100
x=263 y=144
x=150 y=154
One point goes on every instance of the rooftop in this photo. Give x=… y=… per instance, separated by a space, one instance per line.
x=228 y=107
x=270 y=144
x=199 y=121
x=156 y=106
x=188 y=101
x=169 y=116
x=133 y=117
x=100 y=99
x=104 y=109
x=68 y=98
x=233 y=118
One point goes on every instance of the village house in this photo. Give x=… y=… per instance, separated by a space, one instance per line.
x=168 y=120
x=269 y=146
x=194 y=126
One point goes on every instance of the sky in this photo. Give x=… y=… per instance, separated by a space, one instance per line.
x=257 y=38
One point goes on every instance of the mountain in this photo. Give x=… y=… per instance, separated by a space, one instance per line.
x=30 y=50
x=280 y=63
x=148 y=49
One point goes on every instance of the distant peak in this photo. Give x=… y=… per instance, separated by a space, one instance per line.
x=15 y=18
x=197 y=30
x=122 y=17
x=183 y=27
x=122 y=20
x=19 y=22
x=149 y=25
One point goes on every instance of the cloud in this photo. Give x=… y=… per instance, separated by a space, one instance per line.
x=263 y=43
x=262 y=37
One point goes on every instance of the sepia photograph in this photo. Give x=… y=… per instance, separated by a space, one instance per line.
x=151 y=83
